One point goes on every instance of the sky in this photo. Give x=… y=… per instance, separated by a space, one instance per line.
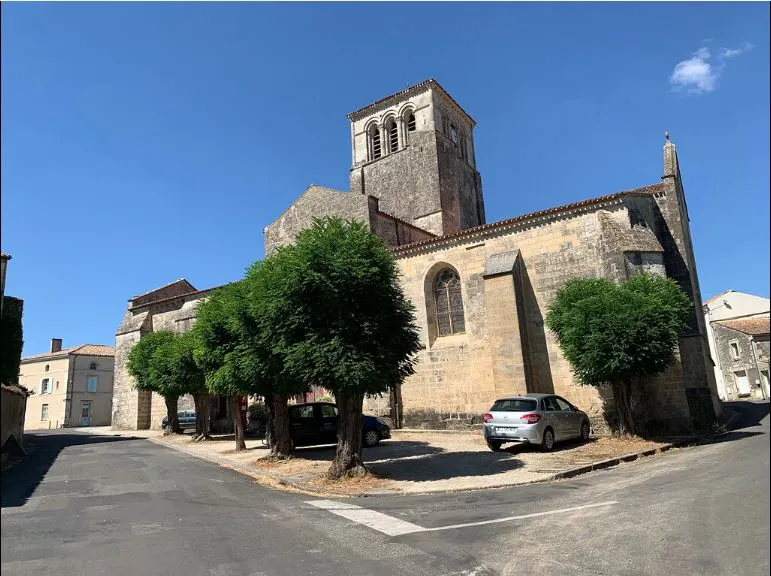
x=146 y=142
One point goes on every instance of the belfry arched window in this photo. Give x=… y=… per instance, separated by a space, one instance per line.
x=448 y=303
x=393 y=135
x=375 y=147
x=409 y=119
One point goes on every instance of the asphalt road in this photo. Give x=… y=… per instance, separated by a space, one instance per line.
x=87 y=505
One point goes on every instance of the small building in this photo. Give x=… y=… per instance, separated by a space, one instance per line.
x=70 y=386
x=732 y=306
x=742 y=356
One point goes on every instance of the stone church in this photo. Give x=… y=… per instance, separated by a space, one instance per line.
x=480 y=289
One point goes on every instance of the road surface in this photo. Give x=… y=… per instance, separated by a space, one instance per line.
x=86 y=505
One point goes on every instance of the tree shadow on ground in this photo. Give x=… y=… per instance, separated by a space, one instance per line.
x=446 y=465
x=20 y=481
x=392 y=449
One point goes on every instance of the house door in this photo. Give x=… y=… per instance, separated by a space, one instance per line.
x=85 y=413
x=742 y=383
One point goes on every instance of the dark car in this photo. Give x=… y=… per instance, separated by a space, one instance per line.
x=186 y=419
x=316 y=423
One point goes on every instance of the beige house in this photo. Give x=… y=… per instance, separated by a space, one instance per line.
x=70 y=387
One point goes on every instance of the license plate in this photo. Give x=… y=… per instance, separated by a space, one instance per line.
x=505 y=431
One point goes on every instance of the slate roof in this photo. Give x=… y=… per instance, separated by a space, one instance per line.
x=753 y=325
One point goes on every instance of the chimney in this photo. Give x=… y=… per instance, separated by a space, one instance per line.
x=56 y=345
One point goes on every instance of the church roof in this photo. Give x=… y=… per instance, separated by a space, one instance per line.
x=754 y=325
x=177 y=288
x=645 y=190
x=406 y=93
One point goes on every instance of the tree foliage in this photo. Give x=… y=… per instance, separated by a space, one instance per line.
x=612 y=333
x=336 y=316
x=153 y=362
x=11 y=340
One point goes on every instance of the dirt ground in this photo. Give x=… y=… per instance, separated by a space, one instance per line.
x=413 y=462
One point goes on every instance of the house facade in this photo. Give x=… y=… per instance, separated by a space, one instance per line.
x=69 y=387
x=725 y=316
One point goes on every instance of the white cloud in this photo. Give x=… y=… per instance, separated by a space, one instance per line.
x=697 y=74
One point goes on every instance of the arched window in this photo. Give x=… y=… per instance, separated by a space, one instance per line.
x=374 y=137
x=409 y=119
x=449 y=303
x=393 y=135
x=453 y=134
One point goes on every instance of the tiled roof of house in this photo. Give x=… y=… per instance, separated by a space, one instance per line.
x=15 y=389
x=82 y=350
x=753 y=325
x=644 y=190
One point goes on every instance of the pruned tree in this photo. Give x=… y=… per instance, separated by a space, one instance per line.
x=613 y=333
x=177 y=368
x=152 y=370
x=336 y=315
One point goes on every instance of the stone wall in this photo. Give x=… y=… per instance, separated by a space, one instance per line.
x=316 y=201
x=745 y=362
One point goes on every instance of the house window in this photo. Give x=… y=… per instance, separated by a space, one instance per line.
x=393 y=136
x=449 y=303
x=734 y=346
x=92 y=380
x=45 y=386
x=92 y=366
x=44 y=412
x=47 y=367
x=410 y=119
x=453 y=134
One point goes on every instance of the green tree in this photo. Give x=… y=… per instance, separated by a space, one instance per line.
x=153 y=370
x=613 y=333
x=11 y=340
x=335 y=312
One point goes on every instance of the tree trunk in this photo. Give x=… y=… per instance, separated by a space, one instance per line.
x=171 y=414
x=348 y=460
x=201 y=416
x=622 y=396
x=281 y=449
x=270 y=435
x=238 y=426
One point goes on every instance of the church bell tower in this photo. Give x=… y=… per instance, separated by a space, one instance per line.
x=414 y=151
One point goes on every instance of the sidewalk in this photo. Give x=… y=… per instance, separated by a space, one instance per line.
x=411 y=462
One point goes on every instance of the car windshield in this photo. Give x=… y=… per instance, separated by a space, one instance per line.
x=514 y=405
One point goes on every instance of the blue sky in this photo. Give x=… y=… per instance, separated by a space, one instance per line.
x=146 y=142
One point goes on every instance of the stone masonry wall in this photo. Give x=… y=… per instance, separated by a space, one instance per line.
x=316 y=201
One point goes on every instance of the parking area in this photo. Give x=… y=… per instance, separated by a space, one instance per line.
x=414 y=462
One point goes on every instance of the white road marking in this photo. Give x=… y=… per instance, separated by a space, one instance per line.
x=375 y=520
x=395 y=527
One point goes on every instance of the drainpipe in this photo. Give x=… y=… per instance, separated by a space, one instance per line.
x=70 y=390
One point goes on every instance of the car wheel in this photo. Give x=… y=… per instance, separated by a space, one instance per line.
x=494 y=445
x=371 y=438
x=547 y=442
x=585 y=431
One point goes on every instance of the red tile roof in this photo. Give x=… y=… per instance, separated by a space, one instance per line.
x=82 y=350
x=753 y=325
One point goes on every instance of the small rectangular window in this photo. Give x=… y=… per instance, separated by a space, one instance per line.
x=734 y=350
x=92 y=380
x=44 y=412
x=45 y=386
